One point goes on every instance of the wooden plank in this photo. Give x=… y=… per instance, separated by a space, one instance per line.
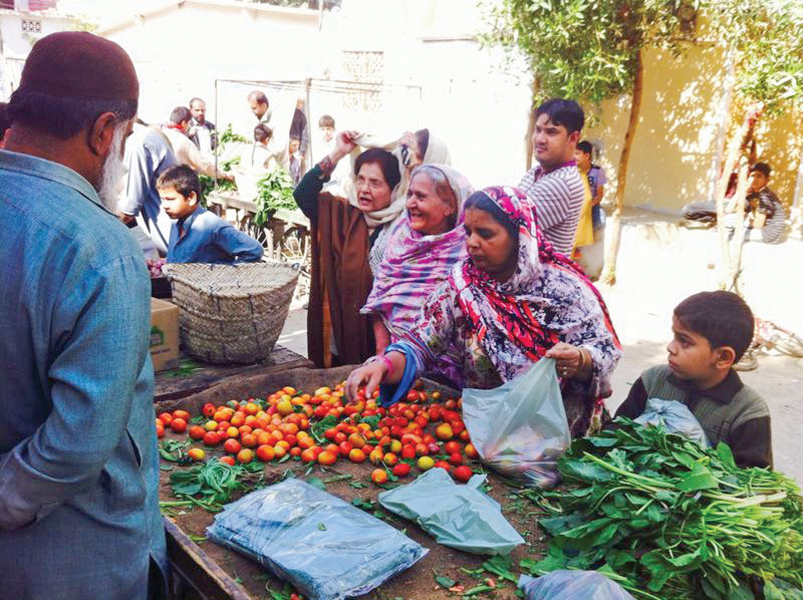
x=171 y=387
x=194 y=567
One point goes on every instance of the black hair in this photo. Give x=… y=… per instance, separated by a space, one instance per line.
x=762 y=167
x=563 y=112
x=196 y=99
x=180 y=114
x=326 y=121
x=182 y=179
x=262 y=132
x=63 y=117
x=295 y=137
x=260 y=97
x=422 y=138
x=388 y=164
x=481 y=201
x=722 y=318
x=585 y=147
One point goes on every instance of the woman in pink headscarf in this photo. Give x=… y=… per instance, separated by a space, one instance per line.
x=424 y=246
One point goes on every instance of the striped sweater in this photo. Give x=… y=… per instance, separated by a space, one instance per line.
x=557 y=197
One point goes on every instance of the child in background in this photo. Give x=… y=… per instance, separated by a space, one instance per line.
x=711 y=331
x=198 y=236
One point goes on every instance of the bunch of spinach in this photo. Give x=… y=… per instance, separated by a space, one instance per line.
x=657 y=511
x=274 y=191
x=213 y=481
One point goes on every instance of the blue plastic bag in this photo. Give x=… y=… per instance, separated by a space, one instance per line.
x=675 y=417
x=327 y=548
x=458 y=516
x=520 y=427
x=572 y=585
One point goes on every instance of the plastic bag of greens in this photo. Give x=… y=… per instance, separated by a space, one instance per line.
x=325 y=547
x=570 y=585
x=675 y=417
x=520 y=427
x=458 y=516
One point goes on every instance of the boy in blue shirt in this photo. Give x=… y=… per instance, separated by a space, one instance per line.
x=198 y=236
x=711 y=332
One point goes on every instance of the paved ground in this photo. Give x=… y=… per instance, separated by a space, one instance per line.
x=659 y=265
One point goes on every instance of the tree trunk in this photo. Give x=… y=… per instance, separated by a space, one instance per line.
x=731 y=282
x=531 y=125
x=615 y=224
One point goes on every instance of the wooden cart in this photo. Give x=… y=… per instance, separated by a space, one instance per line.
x=206 y=570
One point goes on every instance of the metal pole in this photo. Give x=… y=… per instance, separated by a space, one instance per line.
x=307 y=85
x=217 y=124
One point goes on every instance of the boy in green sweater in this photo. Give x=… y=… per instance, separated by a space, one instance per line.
x=712 y=330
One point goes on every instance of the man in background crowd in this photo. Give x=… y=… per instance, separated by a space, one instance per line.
x=258 y=102
x=79 y=470
x=177 y=130
x=202 y=131
x=554 y=187
x=148 y=154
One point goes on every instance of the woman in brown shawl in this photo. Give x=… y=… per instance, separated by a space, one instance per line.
x=348 y=237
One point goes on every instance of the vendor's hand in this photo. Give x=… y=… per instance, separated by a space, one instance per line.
x=569 y=360
x=370 y=374
x=127 y=219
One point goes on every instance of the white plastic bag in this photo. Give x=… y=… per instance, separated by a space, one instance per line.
x=569 y=585
x=675 y=417
x=520 y=427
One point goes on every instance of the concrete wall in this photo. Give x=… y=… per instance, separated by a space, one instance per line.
x=676 y=150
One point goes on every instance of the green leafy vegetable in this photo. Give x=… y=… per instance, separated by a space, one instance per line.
x=274 y=191
x=669 y=519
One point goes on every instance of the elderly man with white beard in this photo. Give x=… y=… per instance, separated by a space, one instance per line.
x=79 y=510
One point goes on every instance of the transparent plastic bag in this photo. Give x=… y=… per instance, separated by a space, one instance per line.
x=327 y=548
x=458 y=516
x=520 y=427
x=675 y=417
x=571 y=585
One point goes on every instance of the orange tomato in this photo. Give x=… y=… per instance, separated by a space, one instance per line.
x=249 y=440
x=245 y=456
x=265 y=453
x=197 y=432
x=379 y=476
x=279 y=451
x=196 y=454
x=181 y=414
x=356 y=455
x=327 y=457
x=229 y=460
x=232 y=446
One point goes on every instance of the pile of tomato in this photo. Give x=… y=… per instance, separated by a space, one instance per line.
x=395 y=440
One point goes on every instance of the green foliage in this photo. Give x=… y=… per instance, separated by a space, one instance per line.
x=228 y=135
x=274 y=191
x=768 y=48
x=670 y=518
x=584 y=49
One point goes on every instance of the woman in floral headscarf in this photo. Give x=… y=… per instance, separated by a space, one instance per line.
x=510 y=303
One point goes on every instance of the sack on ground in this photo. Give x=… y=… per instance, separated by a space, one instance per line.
x=296 y=529
x=458 y=516
x=571 y=585
x=520 y=427
x=675 y=417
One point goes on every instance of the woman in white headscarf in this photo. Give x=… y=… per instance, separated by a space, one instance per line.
x=350 y=235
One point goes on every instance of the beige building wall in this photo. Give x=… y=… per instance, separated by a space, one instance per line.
x=680 y=137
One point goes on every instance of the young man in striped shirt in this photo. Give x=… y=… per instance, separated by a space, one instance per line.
x=554 y=187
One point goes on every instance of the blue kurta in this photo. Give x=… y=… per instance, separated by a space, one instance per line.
x=209 y=239
x=79 y=505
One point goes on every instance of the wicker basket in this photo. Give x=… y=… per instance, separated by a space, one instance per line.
x=230 y=314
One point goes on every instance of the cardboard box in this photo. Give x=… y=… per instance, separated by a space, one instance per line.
x=164 y=335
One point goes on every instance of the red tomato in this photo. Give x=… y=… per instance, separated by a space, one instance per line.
x=451 y=447
x=408 y=451
x=308 y=455
x=178 y=425
x=401 y=470
x=208 y=410
x=212 y=438
x=442 y=464
x=165 y=418
x=197 y=432
x=249 y=440
x=232 y=446
x=229 y=460
x=456 y=459
x=379 y=476
x=265 y=453
x=181 y=414
x=463 y=473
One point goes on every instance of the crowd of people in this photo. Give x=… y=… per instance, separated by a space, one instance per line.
x=414 y=273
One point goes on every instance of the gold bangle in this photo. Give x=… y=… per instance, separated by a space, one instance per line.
x=582 y=360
